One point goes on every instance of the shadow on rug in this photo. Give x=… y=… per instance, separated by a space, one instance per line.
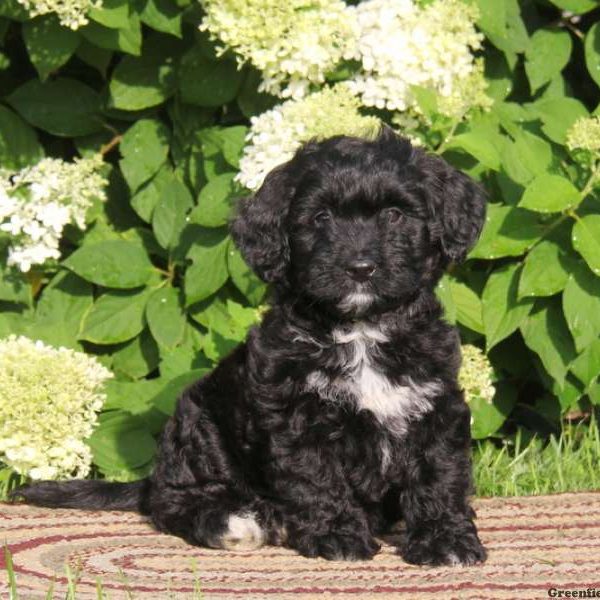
x=535 y=544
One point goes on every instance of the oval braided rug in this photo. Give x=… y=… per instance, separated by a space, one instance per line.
x=534 y=544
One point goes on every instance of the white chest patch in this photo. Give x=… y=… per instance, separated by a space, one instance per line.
x=364 y=384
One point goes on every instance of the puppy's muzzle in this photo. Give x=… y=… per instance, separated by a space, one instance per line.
x=361 y=269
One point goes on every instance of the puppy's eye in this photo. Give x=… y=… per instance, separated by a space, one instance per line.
x=322 y=217
x=393 y=215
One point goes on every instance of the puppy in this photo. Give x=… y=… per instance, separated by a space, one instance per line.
x=341 y=413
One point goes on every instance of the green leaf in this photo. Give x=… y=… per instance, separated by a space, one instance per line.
x=229 y=319
x=576 y=6
x=144 y=201
x=166 y=399
x=488 y=417
x=444 y=295
x=594 y=393
x=586 y=240
x=127 y=39
x=13 y=286
x=144 y=148
x=507 y=232
x=550 y=193
x=492 y=18
x=214 y=202
x=162 y=15
x=138 y=358
x=546 y=269
x=586 y=367
x=244 y=278
x=179 y=360
x=165 y=317
x=145 y=81
x=64 y=303
x=569 y=394
x=526 y=157
x=250 y=100
x=508 y=32
x=503 y=311
x=121 y=441
x=545 y=331
x=558 y=115
x=169 y=217
x=112 y=13
x=592 y=52
x=548 y=53
x=581 y=305
x=19 y=146
x=206 y=82
x=96 y=57
x=131 y=396
x=468 y=306
x=234 y=140
x=115 y=317
x=112 y=263
x=49 y=44
x=478 y=145
x=13 y=10
x=62 y=107
x=208 y=272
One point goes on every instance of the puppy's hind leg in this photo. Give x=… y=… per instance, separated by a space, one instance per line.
x=199 y=489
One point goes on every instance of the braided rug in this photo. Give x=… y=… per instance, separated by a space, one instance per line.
x=537 y=547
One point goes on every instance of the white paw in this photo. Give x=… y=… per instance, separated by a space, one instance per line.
x=243 y=533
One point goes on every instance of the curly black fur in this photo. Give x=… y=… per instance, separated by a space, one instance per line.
x=341 y=413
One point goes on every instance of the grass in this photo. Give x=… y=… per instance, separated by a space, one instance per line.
x=520 y=466
x=524 y=466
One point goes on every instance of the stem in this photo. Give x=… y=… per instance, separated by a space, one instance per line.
x=448 y=137
x=587 y=188
x=110 y=145
x=574 y=29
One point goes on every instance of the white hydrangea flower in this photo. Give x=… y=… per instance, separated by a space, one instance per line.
x=403 y=44
x=70 y=13
x=476 y=374
x=584 y=134
x=294 y=43
x=37 y=202
x=49 y=400
x=275 y=135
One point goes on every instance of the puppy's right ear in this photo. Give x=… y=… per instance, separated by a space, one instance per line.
x=259 y=227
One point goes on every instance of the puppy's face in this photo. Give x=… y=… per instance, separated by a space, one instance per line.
x=358 y=241
x=355 y=227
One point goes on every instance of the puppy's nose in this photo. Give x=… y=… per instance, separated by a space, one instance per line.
x=360 y=270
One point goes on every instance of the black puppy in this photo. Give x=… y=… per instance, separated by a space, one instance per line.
x=341 y=413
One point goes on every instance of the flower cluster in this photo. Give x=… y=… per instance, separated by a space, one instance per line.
x=70 y=13
x=294 y=43
x=584 y=134
x=276 y=134
x=403 y=44
x=37 y=202
x=476 y=373
x=49 y=399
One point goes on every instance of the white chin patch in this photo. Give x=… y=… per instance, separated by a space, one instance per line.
x=243 y=533
x=357 y=301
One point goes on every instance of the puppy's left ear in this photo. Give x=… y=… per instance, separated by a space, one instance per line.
x=458 y=205
x=258 y=230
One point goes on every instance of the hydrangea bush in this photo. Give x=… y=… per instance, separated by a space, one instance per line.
x=49 y=404
x=128 y=130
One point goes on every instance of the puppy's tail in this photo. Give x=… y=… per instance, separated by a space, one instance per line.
x=86 y=494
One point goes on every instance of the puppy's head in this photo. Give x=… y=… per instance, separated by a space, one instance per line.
x=359 y=226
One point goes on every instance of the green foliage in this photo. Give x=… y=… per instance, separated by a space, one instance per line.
x=155 y=287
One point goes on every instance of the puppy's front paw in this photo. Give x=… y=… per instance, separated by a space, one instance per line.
x=455 y=545
x=335 y=546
